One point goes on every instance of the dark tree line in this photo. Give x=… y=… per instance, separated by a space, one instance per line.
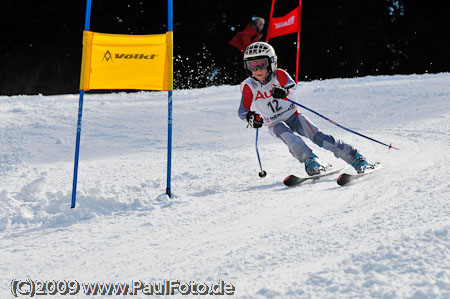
x=41 y=43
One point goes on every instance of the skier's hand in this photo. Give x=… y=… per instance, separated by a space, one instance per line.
x=254 y=120
x=279 y=92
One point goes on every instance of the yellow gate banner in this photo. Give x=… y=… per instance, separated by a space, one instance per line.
x=116 y=61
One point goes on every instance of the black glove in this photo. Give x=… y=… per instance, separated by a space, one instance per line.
x=254 y=120
x=279 y=92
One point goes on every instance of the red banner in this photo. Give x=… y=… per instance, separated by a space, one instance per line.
x=286 y=24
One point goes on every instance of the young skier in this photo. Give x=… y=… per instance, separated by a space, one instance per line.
x=264 y=102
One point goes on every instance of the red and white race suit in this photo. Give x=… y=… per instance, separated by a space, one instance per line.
x=283 y=119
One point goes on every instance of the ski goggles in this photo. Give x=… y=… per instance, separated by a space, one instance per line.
x=260 y=64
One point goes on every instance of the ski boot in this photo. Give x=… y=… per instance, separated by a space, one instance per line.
x=361 y=164
x=313 y=165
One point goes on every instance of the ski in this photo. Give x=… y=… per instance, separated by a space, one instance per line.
x=346 y=178
x=293 y=180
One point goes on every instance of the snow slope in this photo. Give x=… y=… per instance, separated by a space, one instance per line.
x=385 y=236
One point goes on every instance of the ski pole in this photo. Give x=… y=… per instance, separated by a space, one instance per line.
x=262 y=173
x=338 y=125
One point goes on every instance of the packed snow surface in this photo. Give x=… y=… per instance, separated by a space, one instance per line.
x=384 y=236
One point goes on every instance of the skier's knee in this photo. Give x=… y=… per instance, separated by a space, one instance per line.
x=321 y=139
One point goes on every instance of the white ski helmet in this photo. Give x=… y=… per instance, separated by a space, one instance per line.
x=260 y=50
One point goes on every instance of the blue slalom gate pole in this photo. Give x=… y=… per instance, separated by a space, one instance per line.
x=169 y=126
x=342 y=127
x=169 y=145
x=262 y=173
x=80 y=113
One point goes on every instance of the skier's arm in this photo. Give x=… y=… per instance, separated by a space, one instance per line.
x=248 y=35
x=246 y=102
x=286 y=84
x=285 y=79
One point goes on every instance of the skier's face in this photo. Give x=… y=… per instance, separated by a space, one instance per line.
x=260 y=74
